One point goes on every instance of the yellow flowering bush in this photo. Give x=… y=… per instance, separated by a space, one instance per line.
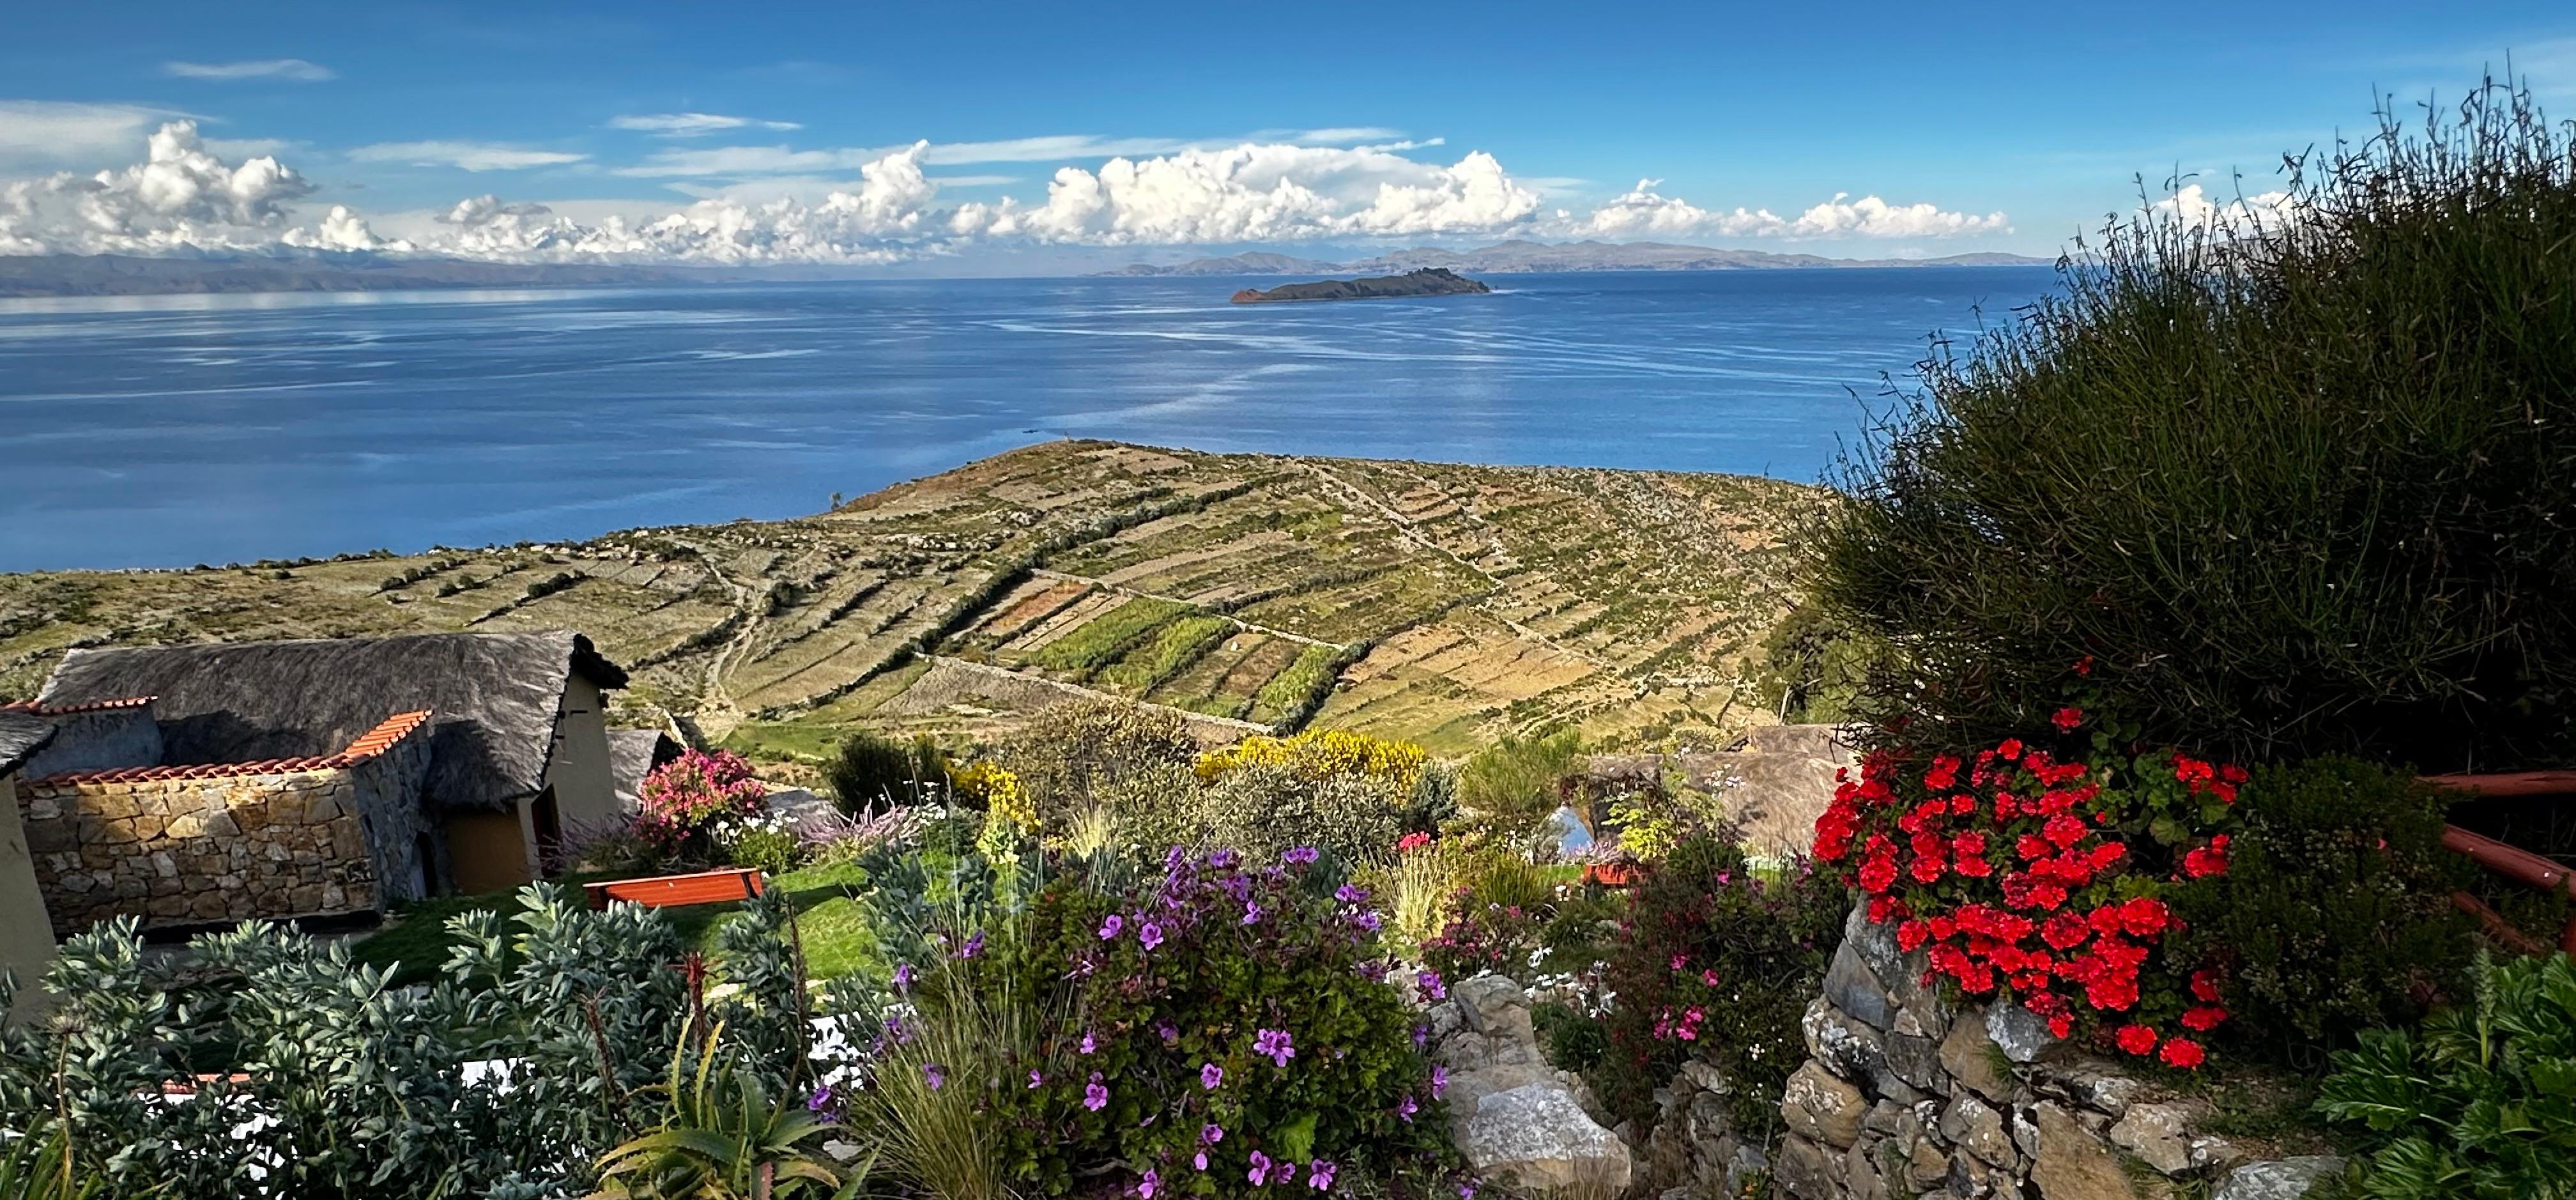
x=1324 y=754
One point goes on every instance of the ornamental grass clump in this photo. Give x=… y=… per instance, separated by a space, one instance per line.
x=2297 y=473
x=2033 y=879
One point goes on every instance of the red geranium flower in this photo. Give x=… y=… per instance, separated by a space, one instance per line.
x=2183 y=1052
x=2068 y=718
x=2137 y=1039
x=2203 y=1019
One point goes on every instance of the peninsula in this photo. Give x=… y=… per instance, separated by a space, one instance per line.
x=1428 y=281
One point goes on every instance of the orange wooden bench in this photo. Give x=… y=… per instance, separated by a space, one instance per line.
x=678 y=891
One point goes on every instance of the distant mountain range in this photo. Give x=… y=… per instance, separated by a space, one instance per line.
x=1522 y=257
x=313 y=271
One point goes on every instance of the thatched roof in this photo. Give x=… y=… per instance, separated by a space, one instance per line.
x=632 y=755
x=494 y=697
x=21 y=736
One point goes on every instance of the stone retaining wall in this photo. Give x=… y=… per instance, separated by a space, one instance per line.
x=188 y=851
x=1906 y=1095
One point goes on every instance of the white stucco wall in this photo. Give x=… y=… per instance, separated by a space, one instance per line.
x=26 y=933
x=585 y=785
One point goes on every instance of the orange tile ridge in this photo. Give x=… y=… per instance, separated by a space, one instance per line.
x=385 y=736
x=42 y=709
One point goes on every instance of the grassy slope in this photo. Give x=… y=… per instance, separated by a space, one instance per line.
x=1490 y=598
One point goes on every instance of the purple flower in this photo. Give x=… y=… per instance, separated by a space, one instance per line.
x=1095 y=1096
x=1251 y=913
x=1211 y=1134
x=820 y=1100
x=1431 y=985
x=1319 y=1175
x=1150 y=936
x=1421 y=1036
x=1466 y=1191
x=1301 y=856
x=931 y=1074
x=974 y=946
x=1145 y=1186
x=1260 y=1173
x=1199 y=1160
x=1222 y=859
x=1350 y=893
x=1171 y=1036
x=902 y=978
x=1439 y=1082
x=1211 y=1075
x=1276 y=1043
x=1407 y=1108
x=1369 y=921
x=1036 y=1080
x=1110 y=926
x=1088 y=1044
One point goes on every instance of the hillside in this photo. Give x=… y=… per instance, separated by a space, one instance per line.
x=1445 y=603
x=1528 y=257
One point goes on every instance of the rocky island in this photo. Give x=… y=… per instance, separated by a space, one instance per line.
x=1428 y=281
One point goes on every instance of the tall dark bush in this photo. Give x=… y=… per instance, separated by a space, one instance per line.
x=2301 y=482
x=872 y=771
x=2334 y=913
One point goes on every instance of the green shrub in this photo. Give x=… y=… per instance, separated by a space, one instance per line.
x=1574 y=1041
x=2481 y=1101
x=1814 y=667
x=871 y=772
x=2334 y=913
x=1706 y=935
x=2297 y=486
x=1267 y=808
x=1069 y=755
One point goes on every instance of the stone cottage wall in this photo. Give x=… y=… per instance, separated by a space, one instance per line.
x=98 y=738
x=181 y=851
x=1905 y=1095
x=386 y=792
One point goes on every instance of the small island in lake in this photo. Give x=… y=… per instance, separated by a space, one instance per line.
x=1429 y=281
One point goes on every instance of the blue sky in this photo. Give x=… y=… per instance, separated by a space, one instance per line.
x=1997 y=127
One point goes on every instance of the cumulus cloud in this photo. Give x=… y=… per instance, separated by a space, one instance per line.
x=464 y=156
x=190 y=194
x=294 y=69
x=180 y=196
x=1257 y=192
x=692 y=124
x=1644 y=212
x=2190 y=205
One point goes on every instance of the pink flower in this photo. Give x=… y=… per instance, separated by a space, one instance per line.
x=1095 y=1096
x=1260 y=1173
x=1210 y=1075
x=1109 y=928
x=1150 y=936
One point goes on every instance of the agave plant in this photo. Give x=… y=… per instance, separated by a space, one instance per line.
x=723 y=1137
x=34 y=1170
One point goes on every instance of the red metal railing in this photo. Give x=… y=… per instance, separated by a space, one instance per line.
x=2521 y=866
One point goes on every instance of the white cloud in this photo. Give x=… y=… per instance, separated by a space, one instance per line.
x=62 y=133
x=464 y=156
x=2190 y=205
x=692 y=124
x=1257 y=192
x=181 y=196
x=1644 y=212
x=753 y=207
x=294 y=69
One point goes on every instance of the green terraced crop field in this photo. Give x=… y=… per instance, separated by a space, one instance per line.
x=1445 y=603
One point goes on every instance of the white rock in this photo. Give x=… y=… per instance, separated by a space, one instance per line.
x=1539 y=1135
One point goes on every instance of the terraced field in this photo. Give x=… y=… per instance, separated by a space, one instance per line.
x=1445 y=603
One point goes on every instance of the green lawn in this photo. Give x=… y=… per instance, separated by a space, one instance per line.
x=829 y=919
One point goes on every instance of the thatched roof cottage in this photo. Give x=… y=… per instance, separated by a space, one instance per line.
x=213 y=782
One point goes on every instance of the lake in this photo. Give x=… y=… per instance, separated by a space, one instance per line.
x=166 y=431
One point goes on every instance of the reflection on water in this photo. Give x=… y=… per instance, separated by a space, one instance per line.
x=179 y=429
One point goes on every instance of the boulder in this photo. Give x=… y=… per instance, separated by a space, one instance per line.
x=2159 y=1134
x=1979 y=1130
x=1806 y=1171
x=2280 y=1179
x=1538 y=1135
x=1495 y=1006
x=1852 y=987
x=1845 y=1046
x=2020 y=1033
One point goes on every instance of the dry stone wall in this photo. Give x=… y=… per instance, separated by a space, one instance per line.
x=186 y=851
x=1906 y=1094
